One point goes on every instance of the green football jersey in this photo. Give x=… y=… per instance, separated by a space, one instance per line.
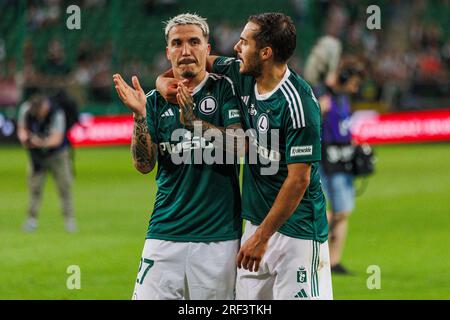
x=287 y=125
x=196 y=201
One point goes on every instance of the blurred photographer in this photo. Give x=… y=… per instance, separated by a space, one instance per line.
x=336 y=168
x=42 y=128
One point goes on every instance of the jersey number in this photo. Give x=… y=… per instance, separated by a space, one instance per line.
x=149 y=265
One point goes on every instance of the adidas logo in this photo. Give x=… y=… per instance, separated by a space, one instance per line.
x=301 y=294
x=245 y=99
x=168 y=113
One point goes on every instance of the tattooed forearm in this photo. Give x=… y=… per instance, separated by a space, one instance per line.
x=143 y=150
x=233 y=136
x=187 y=116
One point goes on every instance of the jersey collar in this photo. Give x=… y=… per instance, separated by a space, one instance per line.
x=201 y=84
x=267 y=95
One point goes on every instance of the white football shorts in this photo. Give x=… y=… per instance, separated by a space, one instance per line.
x=290 y=269
x=187 y=270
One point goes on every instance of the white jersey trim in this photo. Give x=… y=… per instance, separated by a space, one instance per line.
x=265 y=96
x=201 y=84
x=216 y=76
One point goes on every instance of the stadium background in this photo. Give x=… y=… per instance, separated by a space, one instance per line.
x=401 y=221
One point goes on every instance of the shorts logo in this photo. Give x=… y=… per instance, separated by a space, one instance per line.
x=233 y=113
x=301 y=275
x=301 y=294
x=208 y=105
x=263 y=123
x=301 y=151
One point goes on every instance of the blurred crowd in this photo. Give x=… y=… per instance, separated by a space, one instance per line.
x=409 y=58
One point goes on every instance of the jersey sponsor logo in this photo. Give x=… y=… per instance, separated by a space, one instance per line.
x=208 y=105
x=168 y=113
x=301 y=151
x=189 y=143
x=271 y=155
x=245 y=99
x=263 y=123
x=233 y=113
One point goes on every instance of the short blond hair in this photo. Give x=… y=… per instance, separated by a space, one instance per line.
x=184 y=19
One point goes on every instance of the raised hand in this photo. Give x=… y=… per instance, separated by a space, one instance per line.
x=133 y=98
x=186 y=103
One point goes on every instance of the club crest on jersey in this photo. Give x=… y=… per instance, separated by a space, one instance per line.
x=252 y=110
x=263 y=123
x=208 y=105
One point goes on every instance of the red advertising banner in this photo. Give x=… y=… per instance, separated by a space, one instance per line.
x=367 y=126
x=401 y=127
x=102 y=130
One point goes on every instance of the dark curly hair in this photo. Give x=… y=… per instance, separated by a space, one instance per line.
x=276 y=30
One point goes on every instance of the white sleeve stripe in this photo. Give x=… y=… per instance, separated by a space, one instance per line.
x=294 y=105
x=290 y=107
x=216 y=76
x=231 y=83
x=150 y=93
x=299 y=100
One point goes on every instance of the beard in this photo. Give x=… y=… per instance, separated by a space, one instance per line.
x=188 y=74
x=253 y=66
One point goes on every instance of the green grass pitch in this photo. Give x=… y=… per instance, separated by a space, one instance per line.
x=401 y=224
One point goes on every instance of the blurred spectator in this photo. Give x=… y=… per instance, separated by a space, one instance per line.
x=43 y=13
x=225 y=37
x=337 y=153
x=323 y=60
x=9 y=90
x=42 y=131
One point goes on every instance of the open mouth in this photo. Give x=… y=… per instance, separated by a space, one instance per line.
x=186 y=62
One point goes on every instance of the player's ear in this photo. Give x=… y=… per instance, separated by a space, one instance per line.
x=167 y=53
x=266 y=53
x=208 y=48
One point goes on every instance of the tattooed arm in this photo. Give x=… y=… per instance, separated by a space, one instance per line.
x=143 y=150
x=233 y=135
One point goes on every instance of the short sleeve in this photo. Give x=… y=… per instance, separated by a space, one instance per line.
x=227 y=66
x=23 y=109
x=151 y=115
x=58 y=122
x=303 y=144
